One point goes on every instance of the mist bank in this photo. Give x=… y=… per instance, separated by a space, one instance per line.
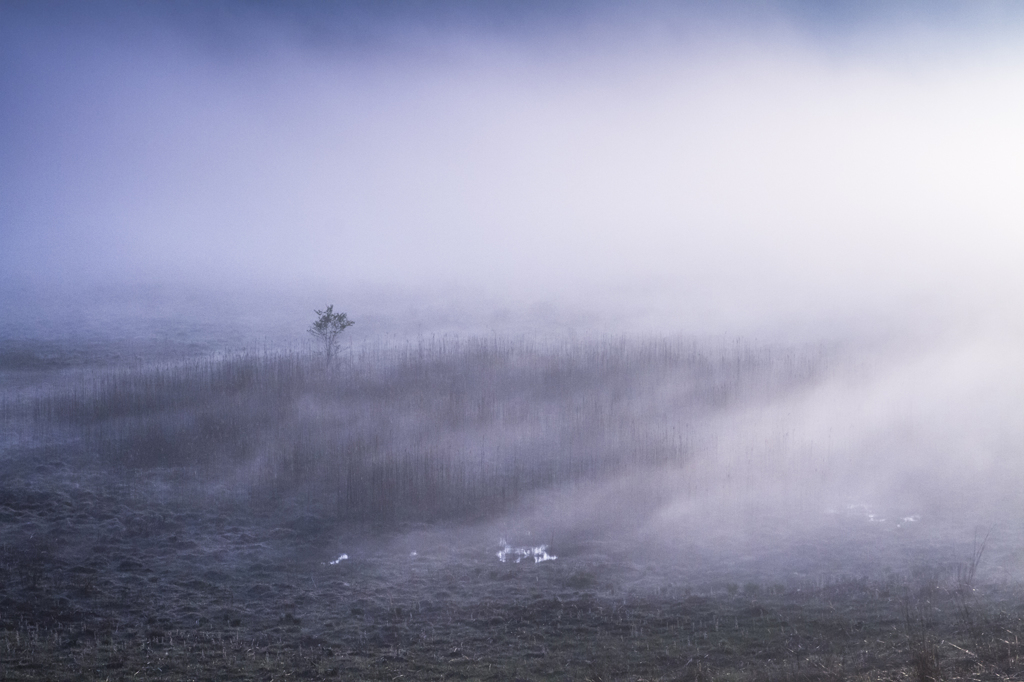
x=879 y=438
x=773 y=170
x=199 y=319
x=668 y=442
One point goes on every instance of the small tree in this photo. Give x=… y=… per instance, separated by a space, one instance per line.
x=327 y=329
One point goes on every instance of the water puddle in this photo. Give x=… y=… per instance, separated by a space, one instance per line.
x=908 y=519
x=517 y=554
x=862 y=511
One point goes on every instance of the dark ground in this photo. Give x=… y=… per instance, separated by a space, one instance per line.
x=169 y=573
x=129 y=580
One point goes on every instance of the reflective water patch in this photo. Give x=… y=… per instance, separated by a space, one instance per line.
x=862 y=511
x=908 y=519
x=517 y=554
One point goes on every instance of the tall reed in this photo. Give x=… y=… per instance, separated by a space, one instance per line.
x=439 y=428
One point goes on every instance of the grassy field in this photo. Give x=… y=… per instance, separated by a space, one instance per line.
x=441 y=430
x=187 y=519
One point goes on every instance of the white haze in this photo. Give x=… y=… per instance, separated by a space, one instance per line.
x=779 y=172
x=745 y=173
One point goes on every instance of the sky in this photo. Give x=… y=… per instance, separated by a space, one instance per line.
x=773 y=169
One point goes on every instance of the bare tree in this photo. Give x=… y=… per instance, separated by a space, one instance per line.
x=327 y=329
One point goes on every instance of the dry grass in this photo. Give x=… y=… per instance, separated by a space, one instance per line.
x=177 y=520
x=440 y=430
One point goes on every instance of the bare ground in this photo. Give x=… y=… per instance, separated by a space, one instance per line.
x=128 y=580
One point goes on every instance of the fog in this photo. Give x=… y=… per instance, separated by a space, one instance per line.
x=777 y=170
x=773 y=174
x=688 y=339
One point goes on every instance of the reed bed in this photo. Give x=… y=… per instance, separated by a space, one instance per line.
x=436 y=429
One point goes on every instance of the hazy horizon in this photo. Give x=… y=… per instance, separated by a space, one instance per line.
x=779 y=170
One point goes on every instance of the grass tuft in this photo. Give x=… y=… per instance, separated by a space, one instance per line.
x=445 y=429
